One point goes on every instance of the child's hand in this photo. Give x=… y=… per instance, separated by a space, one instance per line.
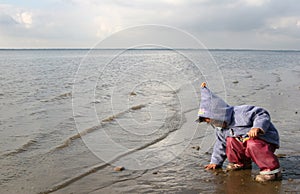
x=254 y=132
x=211 y=166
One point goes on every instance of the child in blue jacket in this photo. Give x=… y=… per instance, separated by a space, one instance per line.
x=243 y=134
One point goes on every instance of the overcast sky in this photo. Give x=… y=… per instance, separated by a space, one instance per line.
x=247 y=24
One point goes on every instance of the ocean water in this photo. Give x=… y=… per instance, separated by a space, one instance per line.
x=67 y=117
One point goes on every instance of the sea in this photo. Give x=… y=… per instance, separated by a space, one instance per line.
x=69 y=117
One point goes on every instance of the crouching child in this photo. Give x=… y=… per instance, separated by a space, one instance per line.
x=243 y=134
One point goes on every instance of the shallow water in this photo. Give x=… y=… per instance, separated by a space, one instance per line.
x=135 y=109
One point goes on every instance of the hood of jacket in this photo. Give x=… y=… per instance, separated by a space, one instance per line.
x=213 y=107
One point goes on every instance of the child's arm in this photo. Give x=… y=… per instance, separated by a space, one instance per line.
x=260 y=118
x=219 y=151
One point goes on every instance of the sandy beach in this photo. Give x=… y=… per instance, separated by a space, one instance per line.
x=42 y=150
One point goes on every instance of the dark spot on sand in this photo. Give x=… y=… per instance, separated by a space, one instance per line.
x=235 y=82
x=196 y=147
x=119 y=168
x=111 y=118
x=132 y=94
x=296 y=112
x=137 y=107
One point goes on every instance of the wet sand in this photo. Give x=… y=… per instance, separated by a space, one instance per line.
x=187 y=175
x=67 y=165
x=275 y=89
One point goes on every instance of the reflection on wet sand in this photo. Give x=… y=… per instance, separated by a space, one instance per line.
x=243 y=182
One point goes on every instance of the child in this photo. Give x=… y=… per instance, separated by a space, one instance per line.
x=243 y=133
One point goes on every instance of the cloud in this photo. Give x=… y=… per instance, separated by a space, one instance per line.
x=284 y=26
x=25 y=18
x=257 y=2
x=55 y=27
x=14 y=19
x=284 y=22
x=6 y=20
x=67 y=23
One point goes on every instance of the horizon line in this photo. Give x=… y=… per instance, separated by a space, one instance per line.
x=209 y=49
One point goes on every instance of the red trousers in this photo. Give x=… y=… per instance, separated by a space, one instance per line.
x=257 y=150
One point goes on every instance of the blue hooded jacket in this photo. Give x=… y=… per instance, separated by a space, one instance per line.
x=239 y=119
